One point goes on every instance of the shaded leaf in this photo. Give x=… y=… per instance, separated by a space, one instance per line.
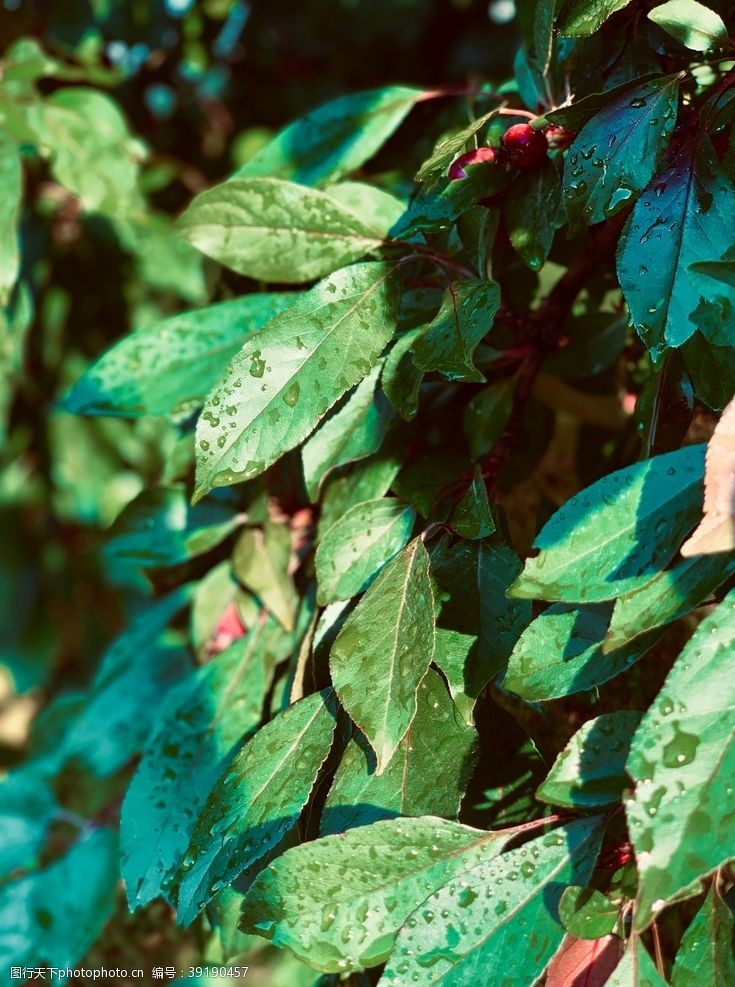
x=531 y=209
x=705 y=954
x=169 y=368
x=472 y=517
x=359 y=544
x=446 y=151
x=339 y=901
x=401 y=378
x=590 y=771
x=636 y=969
x=27 y=806
x=273 y=230
x=261 y=560
x=284 y=381
x=256 y=801
x=587 y=913
x=387 y=640
x=682 y=760
x=618 y=533
x=408 y=785
x=486 y=416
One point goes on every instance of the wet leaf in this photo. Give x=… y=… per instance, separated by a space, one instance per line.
x=339 y=901
x=531 y=209
x=359 y=544
x=256 y=801
x=496 y=903
x=587 y=913
x=705 y=954
x=682 y=760
x=636 y=969
x=388 y=640
x=584 y=17
x=590 y=771
x=408 y=785
x=450 y=148
x=283 y=382
x=593 y=548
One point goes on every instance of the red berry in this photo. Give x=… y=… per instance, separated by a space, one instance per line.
x=481 y=156
x=526 y=148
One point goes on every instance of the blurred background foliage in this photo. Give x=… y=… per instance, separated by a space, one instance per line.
x=190 y=90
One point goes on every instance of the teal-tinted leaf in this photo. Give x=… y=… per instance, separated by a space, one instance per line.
x=478 y=624
x=472 y=517
x=408 y=785
x=636 y=969
x=261 y=560
x=596 y=340
x=388 y=640
x=464 y=933
x=213 y=595
x=466 y=315
x=561 y=652
x=694 y=25
x=531 y=209
x=44 y=916
x=359 y=544
x=584 y=17
x=668 y=596
x=686 y=215
x=169 y=368
x=486 y=416
x=401 y=378
x=682 y=760
x=718 y=270
x=543 y=32
x=92 y=152
x=334 y=139
x=618 y=533
x=711 y=367
x=615 y=155
x=705 y=955
x=256 y=801
x=285 y=380
x=135 y=674
x=276 y=231
x=11 y=178
x=436 y=206
x=590 y=771
x=445 y=152
x=161 y=528
x=27 y=805
x=338 y=902
x=197 y=731
x=354 y=432
x=587 y=913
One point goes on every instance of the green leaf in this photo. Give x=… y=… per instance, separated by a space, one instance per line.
x=374 y=206
x=685 y=216
x=472 y=517
x=169 y=368
x=160 y=528
x=615 y=155
x=705 y=955
x=359 y=544
x=408 y=785
x=334 y=139
x=387 y=640
x=584 y=17
x=466 y=315
x=134 y=676
x=11 y=184
x=445 y=152
x=44 y=915
x=636 y=969
x=590 y=771
x=587 y=913
x=27 y=807
x=277 y=231
x=256 y=801
x=618 y=533
x=339 y=901
x=561 y=652
x=367 y=480
x=92 y=152
x=694 y=25
x=531 y=209
x=486 y=416
x=354 y=432
x=682 y=760
x=284 y=381
x=464 y=933
x=401 y=378
x=198 y=729
x=261 y=560
x=668 y=596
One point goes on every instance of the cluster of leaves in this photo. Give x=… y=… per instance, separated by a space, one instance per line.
x=442 y=485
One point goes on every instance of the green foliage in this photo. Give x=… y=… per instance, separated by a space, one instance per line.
x=390 y=558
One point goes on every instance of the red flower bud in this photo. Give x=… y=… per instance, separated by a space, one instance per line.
x=480 y=156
